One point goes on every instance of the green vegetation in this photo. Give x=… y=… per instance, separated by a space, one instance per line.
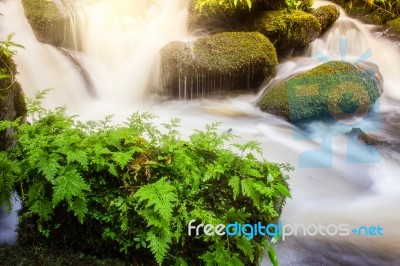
x=228 y=14
x=206 y=14
x=390 y=6
x=12 y=102
x=394 y=26
x=371 y=11
x=227 y=4
x=330 y=90
x=47 y=22
x=287 y=30
x=262 y=4
x=299 y=4
x=244 y=57
x=130 y=190
x=326 y=15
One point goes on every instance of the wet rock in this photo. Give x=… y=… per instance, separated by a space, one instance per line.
x=223 y=16
x=361 y=136
x=12 y=103
x=286 y=30
x=334 y=90
x=48 y=22
x=391 y=30
x=222 y=62
x=326 y=15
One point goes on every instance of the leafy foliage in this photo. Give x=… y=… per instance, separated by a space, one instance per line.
x=6 y=52
x=133 y=188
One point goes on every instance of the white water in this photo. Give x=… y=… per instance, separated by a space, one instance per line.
x=119 y=47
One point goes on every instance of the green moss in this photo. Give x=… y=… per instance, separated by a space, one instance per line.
x=306 y=4
x=238 y=60
x=331 y=90
x=287 y=30
x=12 y=102
x=368 y=12
x=225 y=16
x=231 y=52
x=326 y=15
x=216 y=15
x=394 y=23
x=48 y=23
x=391 y=30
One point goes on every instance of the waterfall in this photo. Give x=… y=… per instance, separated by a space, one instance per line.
x=117 y=42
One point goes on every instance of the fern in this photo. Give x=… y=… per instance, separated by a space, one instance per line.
x=132 y=189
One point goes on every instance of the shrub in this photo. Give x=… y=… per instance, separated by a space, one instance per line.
x=130 y=190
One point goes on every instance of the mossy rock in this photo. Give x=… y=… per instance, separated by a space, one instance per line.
x=326 y=15
x=336 y=89
x=220 y=62
x=12 y=102
x=49 y=24
x=287 y=30
x=391 y=30
x=222 y=16
x=394 y=25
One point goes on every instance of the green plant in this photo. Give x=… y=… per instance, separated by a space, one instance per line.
x=132 y=188
x=231 y=3
x=6 y=53
x=299 y=4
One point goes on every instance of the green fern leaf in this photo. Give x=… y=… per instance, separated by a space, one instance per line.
x=246 y=247
x=234 y=183
x=283 y=190
x=68 y=186
x=159 y=245
x=79 y=207
x=159 y=196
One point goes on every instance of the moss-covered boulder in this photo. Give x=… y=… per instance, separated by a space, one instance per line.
x=12 y=103
x=286 y=30
x=222 y=15
x=220 y=62
x=335 y=90
x=326 y=15
x=48 y=22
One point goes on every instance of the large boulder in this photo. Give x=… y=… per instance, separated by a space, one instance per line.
x=326 y=15
x=222 y=15
x=336 y=89
x=12 y=103
x=221 y=62
x=48 y=22
x=286 y=30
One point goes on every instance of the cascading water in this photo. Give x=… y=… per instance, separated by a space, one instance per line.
x=119 y=42
x=118 y=45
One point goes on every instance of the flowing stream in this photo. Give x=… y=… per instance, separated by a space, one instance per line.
x=118 y=43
